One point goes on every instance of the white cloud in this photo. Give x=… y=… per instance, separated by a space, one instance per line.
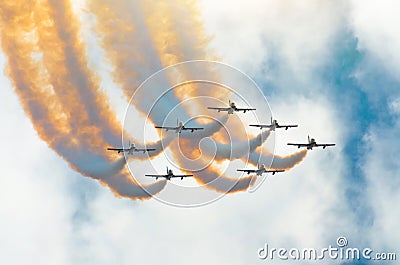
x=35 y=207
x=375 y=24
x=249 y=33
x=382 y=170
x=394 y=106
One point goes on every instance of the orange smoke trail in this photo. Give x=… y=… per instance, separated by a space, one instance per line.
x=81 y=87
x=81 y=129
x=18 y=39
x=178 y=36
x=124 y=34
x=26 y=70
x=142 y=37
x=96 y=103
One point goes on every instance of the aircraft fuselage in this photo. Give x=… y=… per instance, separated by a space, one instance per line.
x=312 y=143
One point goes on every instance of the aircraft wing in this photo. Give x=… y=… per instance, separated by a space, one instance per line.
x=244 y=109
x=144 y=149
x=166 y=128
x=248 y=171
x=181 y=176
x=275 y=171
x=220 y=109
x=192 y=128
x=155 y=176
x=286 y=126
x=261 y=125
x=325 y=145
x=117 y=149
x=298 y=145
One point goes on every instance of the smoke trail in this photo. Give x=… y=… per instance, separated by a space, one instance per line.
x=139 y=40
x=52 y=49
x=213 y=179
x=125 y=33
x=26 y=70
x=177 y=40
x=201 y=165
x=87 y=86
x=77 y=77
x=123 y=187
x=278 y=162
x=240 y=149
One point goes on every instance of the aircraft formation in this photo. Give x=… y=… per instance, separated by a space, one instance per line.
x=180 y=126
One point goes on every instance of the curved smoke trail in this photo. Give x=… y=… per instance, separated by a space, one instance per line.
x=58 y=121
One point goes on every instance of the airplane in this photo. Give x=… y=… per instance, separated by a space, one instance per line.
x=180 y=127
x=169 y=175
x=131 y=149
x=311 y=143
x=274 y=124
x=260 y=170
x=232 y=107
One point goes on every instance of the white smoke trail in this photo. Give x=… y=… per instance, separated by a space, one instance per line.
x=278 y=162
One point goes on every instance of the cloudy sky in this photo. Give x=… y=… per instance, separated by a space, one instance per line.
x=330 y=66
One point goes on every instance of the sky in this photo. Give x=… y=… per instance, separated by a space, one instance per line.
x=332 y=67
